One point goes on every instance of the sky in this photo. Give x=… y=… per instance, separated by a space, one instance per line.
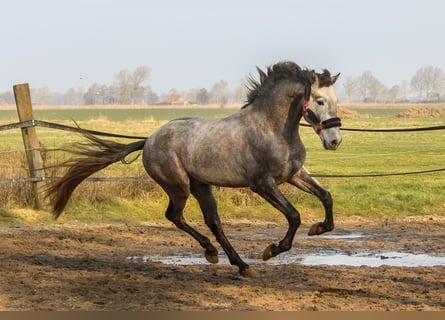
x=195 y=43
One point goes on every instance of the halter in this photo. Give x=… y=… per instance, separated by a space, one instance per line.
x=313 y=119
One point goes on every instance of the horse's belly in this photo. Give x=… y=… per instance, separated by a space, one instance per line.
x=219 y=174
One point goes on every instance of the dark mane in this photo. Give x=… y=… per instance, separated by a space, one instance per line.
x=324 y=78
x=275 y=73
x=280 y=71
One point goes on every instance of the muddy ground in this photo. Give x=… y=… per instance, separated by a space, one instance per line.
x=88 y=267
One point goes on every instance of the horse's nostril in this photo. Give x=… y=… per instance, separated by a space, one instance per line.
x=334 y=142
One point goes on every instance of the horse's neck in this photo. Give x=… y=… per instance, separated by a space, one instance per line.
x=283 y=118
x=294 y=115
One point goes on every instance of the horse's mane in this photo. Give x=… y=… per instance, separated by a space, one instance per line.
x=280 y=71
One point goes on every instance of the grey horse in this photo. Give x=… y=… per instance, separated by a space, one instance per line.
x=257 y=147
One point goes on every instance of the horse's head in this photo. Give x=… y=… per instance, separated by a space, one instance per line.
x=320 y=109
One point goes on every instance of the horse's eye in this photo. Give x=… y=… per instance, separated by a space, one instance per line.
x=320 y=102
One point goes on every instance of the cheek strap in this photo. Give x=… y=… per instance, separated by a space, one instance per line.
x=331 y=123
x=312 y=118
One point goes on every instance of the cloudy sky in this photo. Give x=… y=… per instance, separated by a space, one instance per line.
x=194 y=43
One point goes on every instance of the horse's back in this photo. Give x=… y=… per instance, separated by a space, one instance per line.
x=208 y=150
x=229 y=152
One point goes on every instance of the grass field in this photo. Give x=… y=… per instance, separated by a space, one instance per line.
x=130 y=202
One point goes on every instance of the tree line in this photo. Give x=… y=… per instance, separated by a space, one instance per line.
x=130 y=87
x=426 y=85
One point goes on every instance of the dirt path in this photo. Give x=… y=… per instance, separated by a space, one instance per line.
x=87 y=267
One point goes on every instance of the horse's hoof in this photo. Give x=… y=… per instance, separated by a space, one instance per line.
x=267 y=253
x=319 y=228
x=248 y=273
x=211 y=258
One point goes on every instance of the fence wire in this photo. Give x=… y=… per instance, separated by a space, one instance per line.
x=52 y=125
x=77 y=129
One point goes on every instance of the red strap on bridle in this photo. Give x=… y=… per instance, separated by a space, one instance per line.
x=307 y=96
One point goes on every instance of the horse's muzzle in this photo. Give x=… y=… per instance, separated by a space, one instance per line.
x=331 y=138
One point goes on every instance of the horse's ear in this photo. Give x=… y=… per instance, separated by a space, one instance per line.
x=334 y=78
x=313 y=76
x=263 y=76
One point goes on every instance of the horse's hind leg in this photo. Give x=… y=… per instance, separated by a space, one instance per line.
x=203 y=193
x=178 y=198
x=305 y=182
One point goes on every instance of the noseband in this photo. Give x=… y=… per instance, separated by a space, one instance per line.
x=312 y=117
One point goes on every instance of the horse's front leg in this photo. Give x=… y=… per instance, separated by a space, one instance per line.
x=267 y=189
x=305 y=182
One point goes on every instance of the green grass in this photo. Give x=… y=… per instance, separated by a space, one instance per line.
x=360 y=153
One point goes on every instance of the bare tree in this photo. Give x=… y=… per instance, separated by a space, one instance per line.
x=41 y=95
x=96 y=94
x=434 y=80
x=369 y=87
x=124 y=86
x=192 y=95
x=417 y=83
x=130 y=84
x=240 y=93
x=350 y=87
x=220 y=92
x=202 y=97
x=427 y=81
x=71 y=96
x=151 y=97
x=404 y=88
x=378 y=91
x=6 y=97
x=139 y=76
x=392 y=95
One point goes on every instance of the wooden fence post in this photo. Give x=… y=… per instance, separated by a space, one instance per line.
x=32 y=147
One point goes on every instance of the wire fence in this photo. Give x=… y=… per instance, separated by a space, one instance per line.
x=77 y=129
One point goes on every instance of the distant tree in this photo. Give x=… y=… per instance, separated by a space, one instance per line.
x=96 y=94
x=427 y=81
x=103 y=94
x=392 y=95
x=350 y=87
x=364 y=84
x=192 y=94
x=130 y=84
x=220 y=92
x=369 y=87
x=124 y=85
x=378 y=91
x=71 y=96
x=417 y=83
x=434 y=80
x=240 y=93
x=40 y=95
x=7 y=98
x=139 y=76
x=202 y=97
x=404 y=89
x=151 y=97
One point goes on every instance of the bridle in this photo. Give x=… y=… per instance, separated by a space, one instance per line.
x=312 y=117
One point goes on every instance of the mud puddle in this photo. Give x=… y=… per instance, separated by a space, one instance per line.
x=391 y=258
x=362 y=257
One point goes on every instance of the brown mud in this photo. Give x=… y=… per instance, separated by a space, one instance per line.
x=101 y=267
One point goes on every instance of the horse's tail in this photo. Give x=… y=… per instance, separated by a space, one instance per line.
x=94 y=156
